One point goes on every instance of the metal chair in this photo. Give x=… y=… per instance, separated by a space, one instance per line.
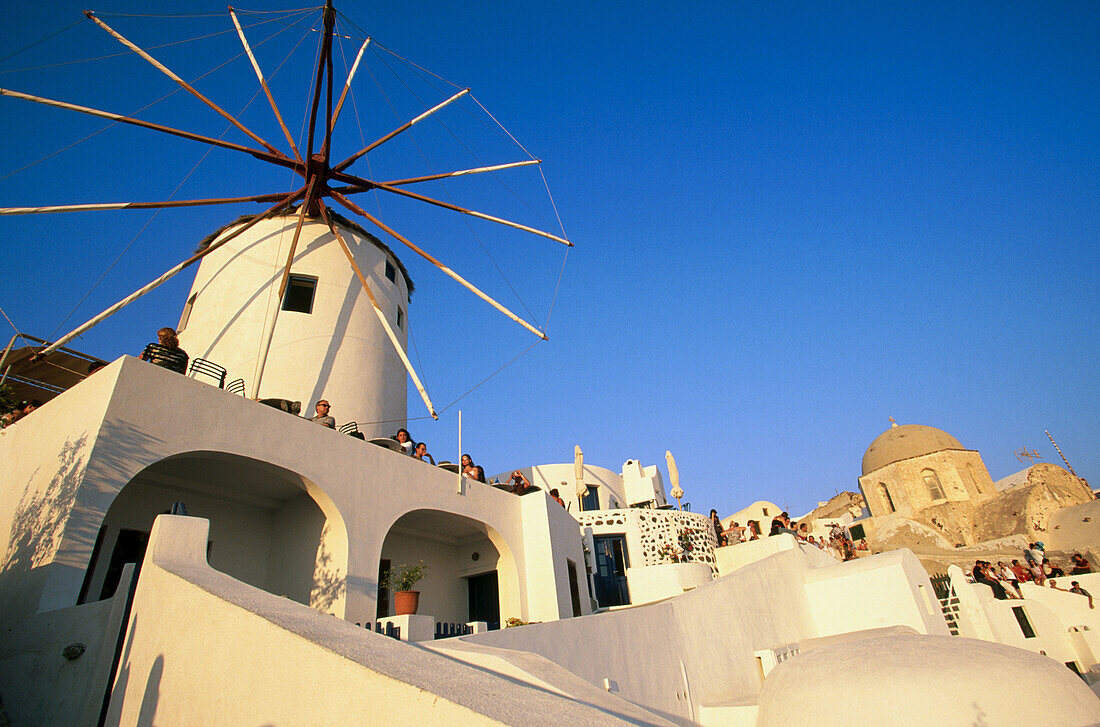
x=208 y=368
x=349 y=428
x=236 y=386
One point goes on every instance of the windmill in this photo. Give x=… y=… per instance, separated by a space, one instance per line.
x=323 y=182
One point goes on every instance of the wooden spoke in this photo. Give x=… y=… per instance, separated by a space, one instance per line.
x=462 y=173
x=136 y=205
x=379 y=313
x=288 y=199
x=186 y=86
x=326 y=53
x=404 y=127
x=263 y=84
x=472 y=213
x=281 y=160
x=310 y=190
x=451 y=273
x=347 y=84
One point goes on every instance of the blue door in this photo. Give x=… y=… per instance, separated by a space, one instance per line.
x=611 y=565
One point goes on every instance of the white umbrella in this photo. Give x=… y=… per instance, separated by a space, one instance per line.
x=578 y=471
x=674 y=477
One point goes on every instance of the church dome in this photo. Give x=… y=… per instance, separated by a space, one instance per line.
x=905 y=441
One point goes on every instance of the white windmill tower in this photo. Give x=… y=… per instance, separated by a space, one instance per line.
x=297 y=301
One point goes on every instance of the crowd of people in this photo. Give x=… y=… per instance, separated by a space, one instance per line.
x=517 y=482
x=1037 y=568
x=839 y=542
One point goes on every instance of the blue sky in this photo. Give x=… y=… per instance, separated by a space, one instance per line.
x=791 y=223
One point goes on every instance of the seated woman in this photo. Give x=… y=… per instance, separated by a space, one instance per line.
x=1051 y=570
x=166 y=352
x=404 y=440
x=557 y=498
x=420 y=452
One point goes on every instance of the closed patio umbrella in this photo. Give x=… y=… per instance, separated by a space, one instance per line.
x=578 y=471
x=674 y=477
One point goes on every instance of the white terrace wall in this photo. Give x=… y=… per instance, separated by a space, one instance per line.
x=41 y=686
x=194 y=632
x=1065 y=628
x=698 y=650
x=675 y=656
x=44 y=463
x=155 y=414
x=889 y=589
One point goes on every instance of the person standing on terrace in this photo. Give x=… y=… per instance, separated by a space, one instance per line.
x=719 y=533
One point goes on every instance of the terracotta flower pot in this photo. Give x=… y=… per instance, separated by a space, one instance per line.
x=406 y=603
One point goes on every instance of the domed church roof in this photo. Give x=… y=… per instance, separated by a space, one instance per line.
x=905 y=441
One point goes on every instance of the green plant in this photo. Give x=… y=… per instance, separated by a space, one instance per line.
x=7 y=401
x=404 y=577
x=513 y=622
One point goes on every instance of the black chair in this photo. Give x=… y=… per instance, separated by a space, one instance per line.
x=349 y=428
x=236 y=386
x=207 y=368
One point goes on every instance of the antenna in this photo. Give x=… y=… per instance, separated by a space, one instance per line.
x=1030 y=456
x=1060 y=453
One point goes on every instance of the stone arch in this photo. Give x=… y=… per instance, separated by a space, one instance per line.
x=884 y=496
x=933 y=484
x=270 y=527
x=457 y=550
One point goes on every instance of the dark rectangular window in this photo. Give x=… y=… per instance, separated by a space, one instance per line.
x=856 y=531
x=400 y=318
x=591 y=499
x=1025 y=625
x=574 y=588
x=382 y=607
x=299 y=294
x=391 y=272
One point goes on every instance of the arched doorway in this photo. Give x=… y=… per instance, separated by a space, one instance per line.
x=472 y=573
x=269 y=527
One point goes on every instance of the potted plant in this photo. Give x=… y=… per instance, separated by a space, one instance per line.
x=400 y=582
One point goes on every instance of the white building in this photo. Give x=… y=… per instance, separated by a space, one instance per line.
x=252 y=609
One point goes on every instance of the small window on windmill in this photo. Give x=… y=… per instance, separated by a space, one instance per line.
x=186 y=315
x=299 y=294
x=400 y=317
x=391 y=272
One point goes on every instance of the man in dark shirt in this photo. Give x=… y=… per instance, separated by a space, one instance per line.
x=1075 y=587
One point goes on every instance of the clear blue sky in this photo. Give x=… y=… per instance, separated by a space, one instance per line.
x=791 y=223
